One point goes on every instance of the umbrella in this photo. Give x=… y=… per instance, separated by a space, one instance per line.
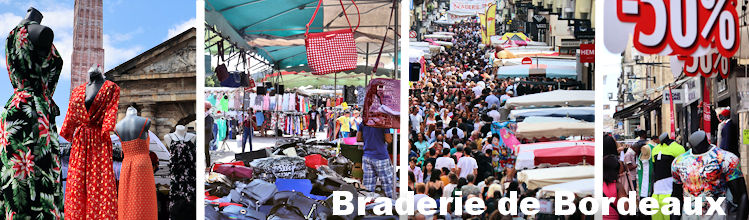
x=550 y=71
x=581 y=188
x=537 y=178
x=572 y=155
x=580 y=113
x=534 y=128
x=554 y=98
x=525 y=152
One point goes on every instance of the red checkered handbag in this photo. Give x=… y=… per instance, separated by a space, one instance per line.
x=331 y=51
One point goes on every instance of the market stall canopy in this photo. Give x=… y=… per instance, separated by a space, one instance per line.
x=300 y=79
x=525 y=156
x=580 y=113
x=554 y=98
x=274 y=29
x=538 y=178
x=549 y=71
x=581 y=188
x=539 y=127
x=571 y=155
x=515 y=36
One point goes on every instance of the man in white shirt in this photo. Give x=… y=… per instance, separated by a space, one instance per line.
x=415 y=119
x=445 y=161
x=492 y=100
x=466 y=164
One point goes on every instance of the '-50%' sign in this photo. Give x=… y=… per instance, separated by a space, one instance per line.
x=672 y=27
x=709 y=65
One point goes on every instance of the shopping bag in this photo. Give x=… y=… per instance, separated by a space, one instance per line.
x=331 y=51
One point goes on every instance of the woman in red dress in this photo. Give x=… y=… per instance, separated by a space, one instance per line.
x=90 y=192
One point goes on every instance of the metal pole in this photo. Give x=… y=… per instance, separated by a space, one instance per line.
x=365 y=68
x=395 y=42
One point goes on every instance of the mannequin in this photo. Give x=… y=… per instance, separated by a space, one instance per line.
x=180 y=132
x=664 y=186
x=131 y=126
x=41 y=36
x=699 y=163
x=95 y=82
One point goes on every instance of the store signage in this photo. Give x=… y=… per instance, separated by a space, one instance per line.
x=676 y=94
x=745 y=136
x=672 y=115
x=527 y=61
x=570 y=43
x=692 y=90
x=473 y=6
x=668 y=27
x=587 y=53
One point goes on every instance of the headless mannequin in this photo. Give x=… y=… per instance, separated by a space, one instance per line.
x=181 y=133
x=700 y=145
x=95 y=82
x=40 y=36
x=662 y=169
x=131 y=126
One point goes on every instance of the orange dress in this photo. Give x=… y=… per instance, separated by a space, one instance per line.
x=90 y=192
x=136 y=198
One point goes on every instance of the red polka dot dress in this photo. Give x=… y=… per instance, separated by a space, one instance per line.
x=136 y=198
x=90 y=192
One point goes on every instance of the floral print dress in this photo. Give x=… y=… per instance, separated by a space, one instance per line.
x=30 y=185
x=182 y=167
x=91 y=192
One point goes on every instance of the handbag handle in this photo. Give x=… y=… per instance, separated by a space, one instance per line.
x=385 y=37
x=344 y=14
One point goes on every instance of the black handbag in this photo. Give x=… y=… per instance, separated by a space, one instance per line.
x=294 y=205
x=341 y=165
x=256 y=193
x=248 y=157
x=221 y=72
x=284 y=167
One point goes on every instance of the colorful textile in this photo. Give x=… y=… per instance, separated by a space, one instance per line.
x=707 y=174
x=29 y=149
x=91 y=191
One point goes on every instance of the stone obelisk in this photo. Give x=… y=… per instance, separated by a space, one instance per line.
x=88 y=40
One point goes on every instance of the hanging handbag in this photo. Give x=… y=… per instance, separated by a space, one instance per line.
x=331 y=51
x=382 y=104
x=221 y=72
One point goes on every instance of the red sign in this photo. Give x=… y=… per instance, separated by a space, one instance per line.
x=587 y=53
x=706 y=109
x=527 y=60
x=671 y=106
x=709 y=65
x=412 y=34
x=680 y=27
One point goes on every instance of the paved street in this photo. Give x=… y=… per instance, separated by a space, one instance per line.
x=225 y=152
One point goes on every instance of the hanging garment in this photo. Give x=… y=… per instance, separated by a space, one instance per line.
x=266 y=103
x=30 y=153
x=136 y=199
x=90 y=190
x=211 y=99
x=272 y=105
x=221 y=129
x=182 y=167
x=224 y=104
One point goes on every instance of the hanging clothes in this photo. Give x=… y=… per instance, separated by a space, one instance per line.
x=182 y=168
x=90 y=192
x=224 y=104
x=136 y=199
x=30 y=154
x=221 y=122
x=211 y=99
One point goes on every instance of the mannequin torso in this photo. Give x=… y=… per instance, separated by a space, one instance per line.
x=132 y=125
x=95 y=82
x=180 y=133
x=40 y=36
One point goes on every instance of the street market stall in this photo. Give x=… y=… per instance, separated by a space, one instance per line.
x=554 y=98
x=538 y=178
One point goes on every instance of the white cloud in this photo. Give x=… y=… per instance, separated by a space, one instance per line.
x=7 y=22
x=179 y=28
x=114 y=56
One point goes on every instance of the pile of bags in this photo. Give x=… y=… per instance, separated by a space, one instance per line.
x=293 y=180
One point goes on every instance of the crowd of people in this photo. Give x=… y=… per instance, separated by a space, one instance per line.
x=453 y=107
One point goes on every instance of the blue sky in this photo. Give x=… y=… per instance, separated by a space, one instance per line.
x=130 y=28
